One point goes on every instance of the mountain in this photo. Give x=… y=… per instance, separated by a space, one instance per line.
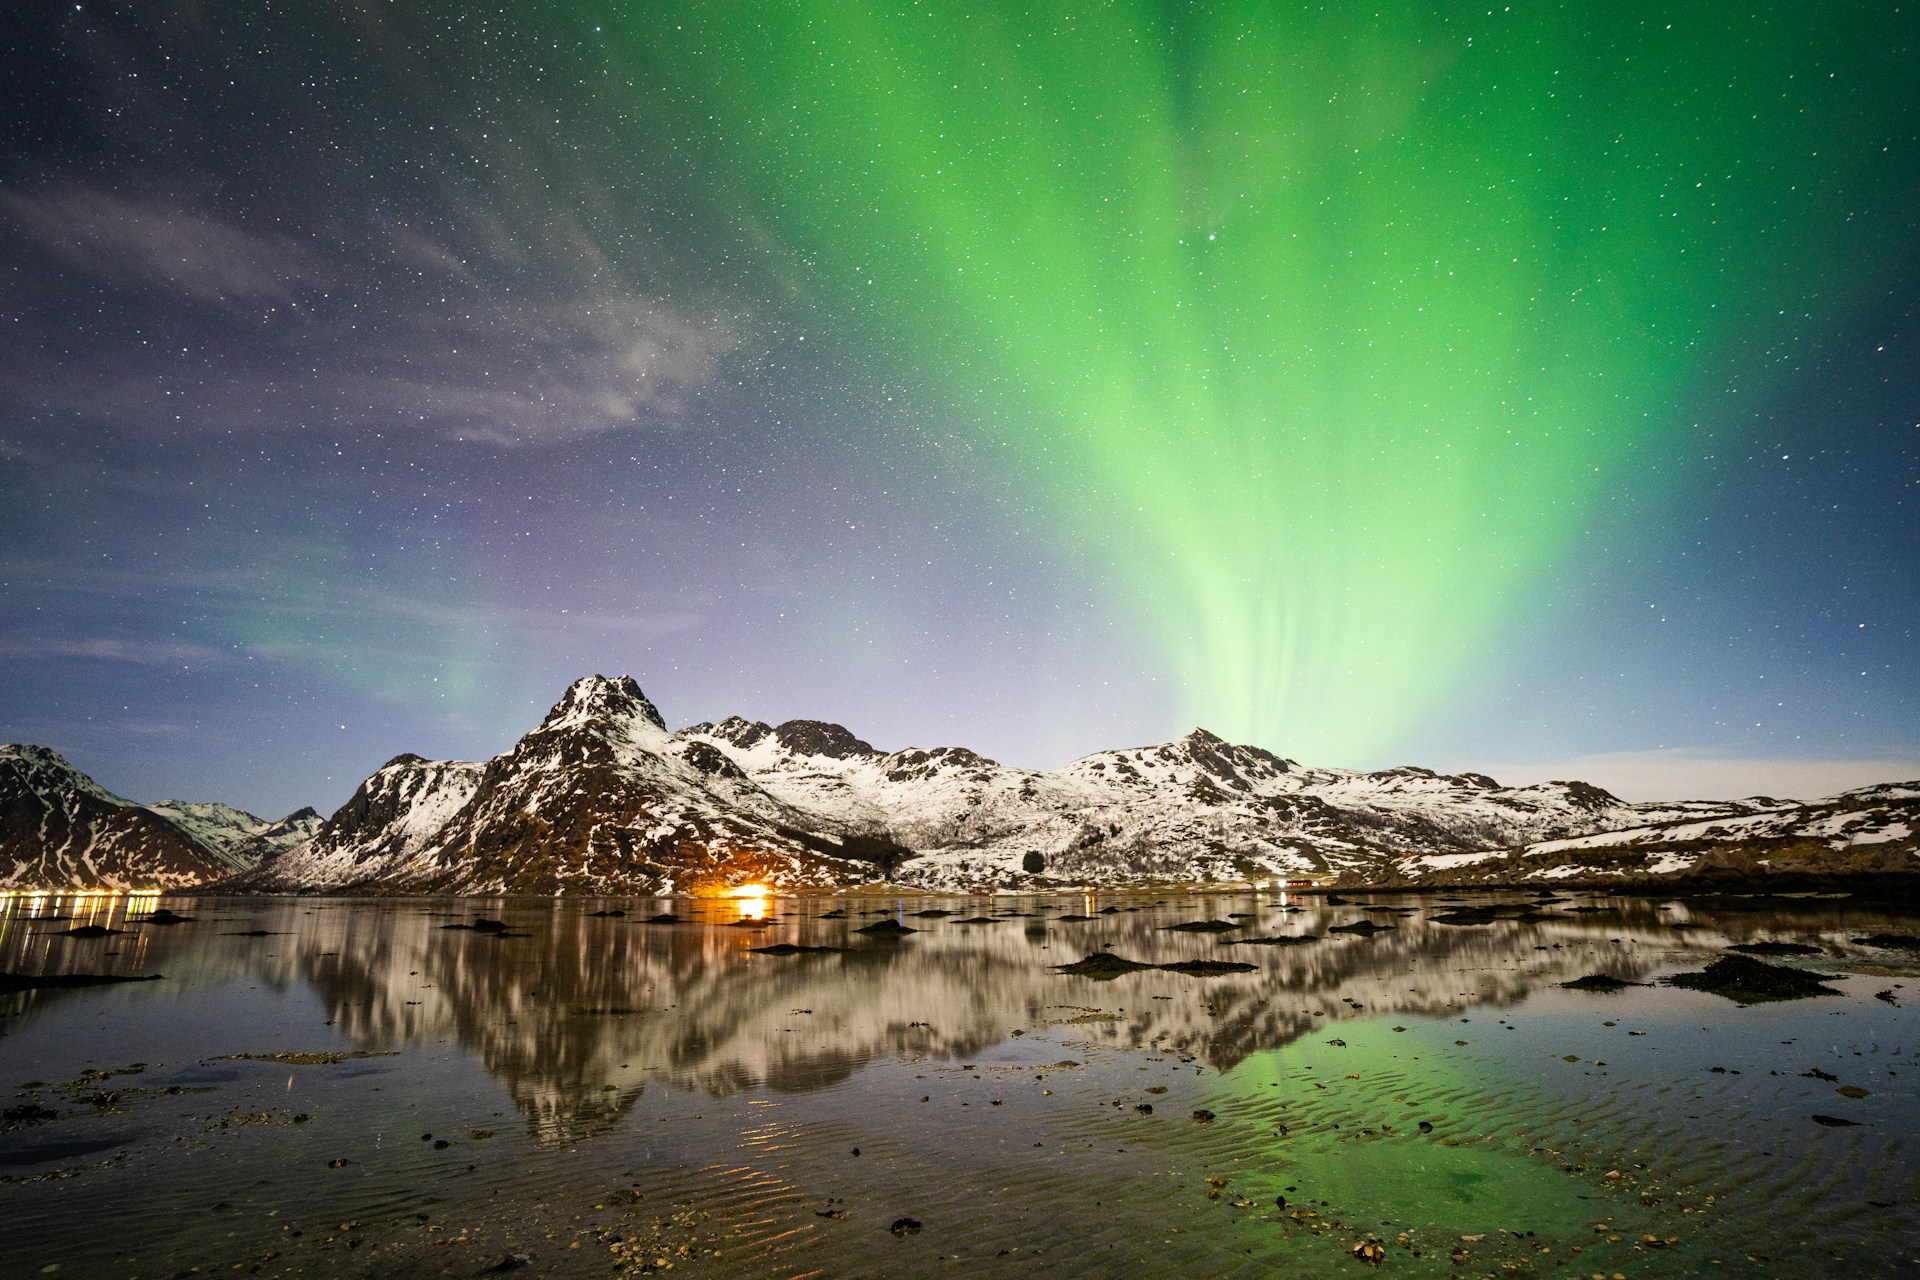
x=61 y=829
x=1867 y=831
x=603 y=798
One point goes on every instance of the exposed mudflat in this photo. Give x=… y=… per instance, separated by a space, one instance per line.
x=1508 y=1086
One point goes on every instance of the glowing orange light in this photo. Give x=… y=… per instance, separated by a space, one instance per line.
x=751 y=899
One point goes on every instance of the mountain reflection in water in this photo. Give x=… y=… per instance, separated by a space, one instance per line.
x=577 y=1014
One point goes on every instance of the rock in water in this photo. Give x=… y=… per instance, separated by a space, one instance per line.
x=1748 y=981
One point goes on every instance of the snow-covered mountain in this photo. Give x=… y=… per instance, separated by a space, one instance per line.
x=602 y=798
x=61 y=829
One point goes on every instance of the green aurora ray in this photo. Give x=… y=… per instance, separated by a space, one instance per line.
x=1329 y=326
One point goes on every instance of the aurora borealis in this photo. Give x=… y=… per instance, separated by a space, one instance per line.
x=1456 y=386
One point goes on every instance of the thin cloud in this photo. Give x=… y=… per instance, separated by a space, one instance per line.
x=145 y=653
x=128 y=242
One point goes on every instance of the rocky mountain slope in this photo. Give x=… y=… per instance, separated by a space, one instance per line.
x=61 y=829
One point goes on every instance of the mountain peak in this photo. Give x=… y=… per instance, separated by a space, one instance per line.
x=53 y=769
x=46 y=757
x=598 y=699
x=821 y=738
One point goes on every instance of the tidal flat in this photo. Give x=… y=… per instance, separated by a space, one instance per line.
x=775 y=1087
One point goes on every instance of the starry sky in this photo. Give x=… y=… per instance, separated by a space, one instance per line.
x=1532 y=389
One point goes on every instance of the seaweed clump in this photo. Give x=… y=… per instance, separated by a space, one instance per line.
x=1207 y=968
x=1748 y=981
x=27 y=982
x=1279 y=940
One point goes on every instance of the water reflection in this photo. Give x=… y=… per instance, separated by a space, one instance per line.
x=577 y=1010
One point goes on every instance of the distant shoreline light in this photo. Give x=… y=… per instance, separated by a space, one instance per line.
x=79 y=893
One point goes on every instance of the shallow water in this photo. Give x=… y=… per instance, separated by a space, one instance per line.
x=598 y=1094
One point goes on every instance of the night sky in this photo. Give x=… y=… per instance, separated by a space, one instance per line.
x=1532 y=389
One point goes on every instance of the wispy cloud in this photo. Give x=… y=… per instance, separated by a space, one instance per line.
x=531 y=372
x=146 y=653
x=1679 y=773
x=148 y=242
x=574 y=349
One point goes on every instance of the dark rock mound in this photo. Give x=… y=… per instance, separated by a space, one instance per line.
x=1102 y=965
x=1600 y=982
x=1748 y=981
x=1517 y=913
x=481 y=924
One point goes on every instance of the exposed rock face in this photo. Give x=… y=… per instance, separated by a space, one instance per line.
x=818 y=738
x=61 y=829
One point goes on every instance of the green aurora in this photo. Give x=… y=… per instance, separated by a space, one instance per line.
x=1329 y=328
